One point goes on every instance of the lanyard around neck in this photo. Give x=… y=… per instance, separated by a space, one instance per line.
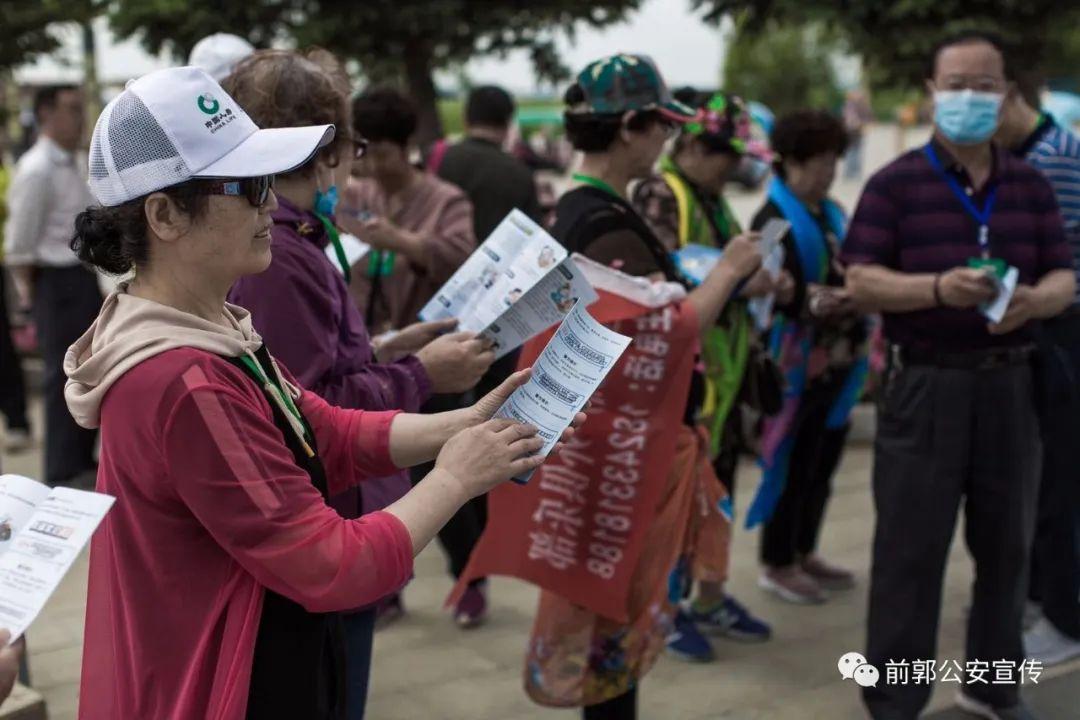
x=335 y=240
x=281 y=398
x=980 y=215
x=596 y=183
x=380 y=263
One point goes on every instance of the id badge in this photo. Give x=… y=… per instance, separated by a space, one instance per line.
x=997 y=266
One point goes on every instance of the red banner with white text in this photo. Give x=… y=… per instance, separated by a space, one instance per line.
x=578 y=527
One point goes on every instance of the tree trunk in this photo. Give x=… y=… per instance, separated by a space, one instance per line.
x=91 y=86
x=421 y=84
x=8 y=111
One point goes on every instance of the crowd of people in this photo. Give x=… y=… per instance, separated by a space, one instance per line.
x=283 y=434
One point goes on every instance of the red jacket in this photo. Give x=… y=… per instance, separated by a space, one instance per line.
x=210 y=509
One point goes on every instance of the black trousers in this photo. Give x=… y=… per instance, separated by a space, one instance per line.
x=620 y=707
x=726 y=463
x=66 y=301
x=946 y=435
x=12 y=383
x=792 y=531
x=1055 y=560
x=460 y=535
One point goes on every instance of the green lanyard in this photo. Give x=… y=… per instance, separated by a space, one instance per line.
x=596 y=183
x=335 y=240
x=380 y=263
x=282 y=399
x=723 y=228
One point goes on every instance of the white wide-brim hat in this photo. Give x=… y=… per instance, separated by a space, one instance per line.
x=178 y=124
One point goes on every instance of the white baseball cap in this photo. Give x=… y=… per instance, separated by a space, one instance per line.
x=177 y=124
x=219 y=53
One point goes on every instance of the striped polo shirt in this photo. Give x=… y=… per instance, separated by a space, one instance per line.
x=908 y=219
x=1056 y=153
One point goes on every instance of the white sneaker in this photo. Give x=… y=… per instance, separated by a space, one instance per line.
x=793 y=585
x=1046 y=644
x=17 y=440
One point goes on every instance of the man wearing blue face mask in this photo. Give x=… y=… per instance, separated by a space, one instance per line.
x=937 y=234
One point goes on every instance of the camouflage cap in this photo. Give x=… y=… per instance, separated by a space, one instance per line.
x=619 y=83
x=725 y=119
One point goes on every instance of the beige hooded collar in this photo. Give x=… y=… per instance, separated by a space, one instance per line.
x=131 y=329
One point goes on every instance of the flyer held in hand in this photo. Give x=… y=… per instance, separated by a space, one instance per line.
x=517 y=284
x=578 y=527
x=42 y=532
x=565 y=375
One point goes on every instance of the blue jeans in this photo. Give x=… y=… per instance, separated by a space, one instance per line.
x=359 y=635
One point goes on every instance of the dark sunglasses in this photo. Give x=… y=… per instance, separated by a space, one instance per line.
x=256 y=189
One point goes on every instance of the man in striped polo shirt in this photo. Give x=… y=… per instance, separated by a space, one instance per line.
x=957 y=417
x=1055 y=561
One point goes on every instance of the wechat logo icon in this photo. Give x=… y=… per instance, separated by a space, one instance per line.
x=208 y=104
x=853 y=666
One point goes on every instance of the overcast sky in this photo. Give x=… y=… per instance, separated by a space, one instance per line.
x=687 y=51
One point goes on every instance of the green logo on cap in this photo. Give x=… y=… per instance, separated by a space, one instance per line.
x=208 y=104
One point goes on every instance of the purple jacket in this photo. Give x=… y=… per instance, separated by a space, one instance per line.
x=302 y=308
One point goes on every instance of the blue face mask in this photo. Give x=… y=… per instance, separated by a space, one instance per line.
x=966 y=117
x=326 y=202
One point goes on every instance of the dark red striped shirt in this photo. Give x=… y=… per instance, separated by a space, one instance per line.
x=909 y=220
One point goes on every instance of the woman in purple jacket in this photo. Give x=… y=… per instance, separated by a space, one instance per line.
x=317 y=330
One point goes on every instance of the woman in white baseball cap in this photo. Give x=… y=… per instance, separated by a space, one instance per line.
x=216 y=579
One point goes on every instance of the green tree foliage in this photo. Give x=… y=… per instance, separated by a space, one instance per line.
x=176 y=25
x=416 y=37
x=26 y=27
x=895 y=37
x=402 y=40
x=787 y=67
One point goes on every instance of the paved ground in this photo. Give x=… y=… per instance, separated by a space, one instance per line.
x=426 y=668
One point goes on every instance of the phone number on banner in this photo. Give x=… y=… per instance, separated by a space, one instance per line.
x=620 y=475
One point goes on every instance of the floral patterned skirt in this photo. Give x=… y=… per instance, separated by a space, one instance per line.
x=576 y=657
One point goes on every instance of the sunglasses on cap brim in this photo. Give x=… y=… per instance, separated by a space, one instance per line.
x=256 y=189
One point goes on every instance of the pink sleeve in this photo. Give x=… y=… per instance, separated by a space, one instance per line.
x=232 y=470
x=354 y=445
x=451 y=242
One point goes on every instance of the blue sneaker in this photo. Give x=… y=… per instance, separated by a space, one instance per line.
x=732 y=620
x=686 y=642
